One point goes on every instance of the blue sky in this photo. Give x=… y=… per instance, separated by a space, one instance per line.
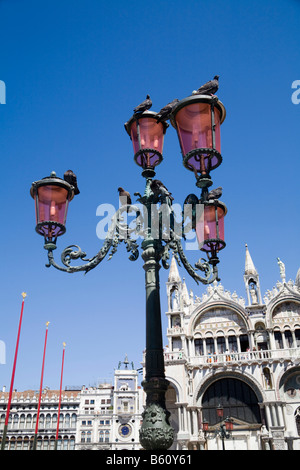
x=74 y=71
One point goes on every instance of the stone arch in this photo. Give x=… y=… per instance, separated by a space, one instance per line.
x=201 y=311
x=176 y=385
x=213 y=377
x=283 y=379
x=277 y=303
x=237 y=397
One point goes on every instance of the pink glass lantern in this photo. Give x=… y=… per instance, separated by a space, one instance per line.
x=147 y=137
x=210 y=228
x=52 y=196
x=220 y=411
x=229 y=424
x=197 y=120
x=205 y=425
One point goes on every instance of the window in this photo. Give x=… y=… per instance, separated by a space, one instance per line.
x=244 y=341
x=73 y=420
x=66 y=443
x=48 y=421
x=28 y=421
x=198 y=347
x=15 y=421
x=22 y=421
x=232 y=343
x=72 y=443
x=210 y=346
x=221 y=344
x=278 y=340
x=288 y=338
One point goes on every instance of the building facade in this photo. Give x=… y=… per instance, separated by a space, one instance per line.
x=242 y=355
x=104 y=417
x=109 y=416
x=23 y=415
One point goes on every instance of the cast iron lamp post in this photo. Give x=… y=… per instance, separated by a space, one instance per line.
x=224 y=430
x=197 y=120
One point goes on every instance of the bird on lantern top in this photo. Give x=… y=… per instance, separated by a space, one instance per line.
x=209 y=88
x=144 y=106
x=165 y=112
x=71 y=178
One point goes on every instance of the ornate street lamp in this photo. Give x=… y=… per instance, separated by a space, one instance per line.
x=197 y=120
x=52 y=196
x=147 y=137
x=224 y=430
x=193 y=116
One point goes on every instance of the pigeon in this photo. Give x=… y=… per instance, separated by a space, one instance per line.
x=166 y=111
x=71 y=178
x=209 y=88
x=158 y=188
x=143 y=106
x=215 y=193
x=191 y=200
x=124 y=196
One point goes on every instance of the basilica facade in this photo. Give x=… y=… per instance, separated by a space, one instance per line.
x=240 y=356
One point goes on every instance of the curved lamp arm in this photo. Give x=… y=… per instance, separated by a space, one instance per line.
x=118 y=232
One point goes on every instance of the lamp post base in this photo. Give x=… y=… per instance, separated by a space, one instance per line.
x=156 y=432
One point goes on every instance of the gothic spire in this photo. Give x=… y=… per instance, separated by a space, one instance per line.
x=249 y=265
x=251 y=279
x=174 y=274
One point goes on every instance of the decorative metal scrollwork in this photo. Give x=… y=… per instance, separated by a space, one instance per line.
x=119 y=231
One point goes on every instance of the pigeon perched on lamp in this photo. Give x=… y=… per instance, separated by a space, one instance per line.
x=191 y=200
x=159 y=189
x=214 y=194
x=209 y=88
x=166 y=111
x=124 y=196
x=144 y=106
x=71 y=178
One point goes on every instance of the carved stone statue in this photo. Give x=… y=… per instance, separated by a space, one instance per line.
x=282 y=269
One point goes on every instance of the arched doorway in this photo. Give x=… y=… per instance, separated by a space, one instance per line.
x=237 y=398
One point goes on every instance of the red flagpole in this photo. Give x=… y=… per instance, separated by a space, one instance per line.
x=41 y=388
x=60 y=389
x=13 y=375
